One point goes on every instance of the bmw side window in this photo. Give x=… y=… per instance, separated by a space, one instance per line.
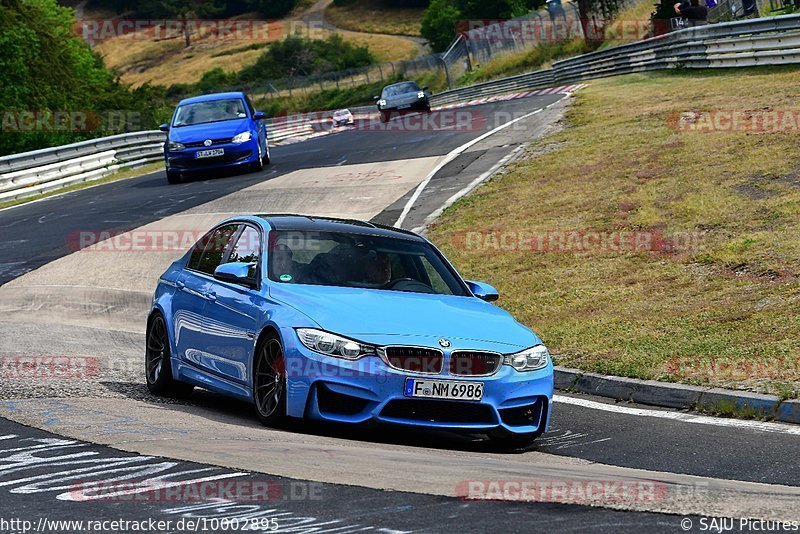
x=215 y=248
x=247 y=249
x=197 y=252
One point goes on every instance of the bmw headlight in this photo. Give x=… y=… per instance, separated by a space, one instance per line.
x=529 y=359
x=381 y=103
x=333 y=345
x=241 y=138
x=172 y=145
x=421 y=94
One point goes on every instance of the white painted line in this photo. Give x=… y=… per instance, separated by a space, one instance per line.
x=468 y=188
x=453 y=154
x=776 y=428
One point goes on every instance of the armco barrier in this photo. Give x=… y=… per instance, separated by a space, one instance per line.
x=767 y=41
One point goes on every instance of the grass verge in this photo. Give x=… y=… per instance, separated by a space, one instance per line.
x=119 y=175
x=719 y=306
x=535 y=58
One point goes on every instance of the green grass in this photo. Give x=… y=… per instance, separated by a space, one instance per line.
x=620 y=166
x=535 y=58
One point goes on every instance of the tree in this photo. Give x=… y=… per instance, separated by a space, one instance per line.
x=439 y=24
x=46 y=69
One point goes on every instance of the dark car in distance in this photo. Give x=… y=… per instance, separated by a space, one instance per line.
x=402 y=97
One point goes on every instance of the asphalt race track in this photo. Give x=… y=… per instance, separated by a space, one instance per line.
x=57 y=301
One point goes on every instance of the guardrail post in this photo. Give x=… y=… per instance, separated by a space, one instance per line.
x=446 y=72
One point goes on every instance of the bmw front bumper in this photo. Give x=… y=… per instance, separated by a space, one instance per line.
x=370 y=391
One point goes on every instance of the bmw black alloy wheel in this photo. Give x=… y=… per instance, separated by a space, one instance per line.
x=269 y=384
x=158 y=368
x=157 y=349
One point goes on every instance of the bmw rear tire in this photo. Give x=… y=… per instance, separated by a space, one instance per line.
x=158 y=365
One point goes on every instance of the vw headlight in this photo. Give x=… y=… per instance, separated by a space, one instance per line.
x=381 y=103
x=421 y=94
x=333 y=345
x=172 y=145
x=241 y=138
x=529 y=359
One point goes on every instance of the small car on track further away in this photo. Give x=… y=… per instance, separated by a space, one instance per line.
x=402 y=97
x=213 y=132
x=348 y=322
x=342 y=117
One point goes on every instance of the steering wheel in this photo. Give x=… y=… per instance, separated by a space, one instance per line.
x=408 y=284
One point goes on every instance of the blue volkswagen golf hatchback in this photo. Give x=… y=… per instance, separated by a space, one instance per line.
x=347 y=322
x=212 y=132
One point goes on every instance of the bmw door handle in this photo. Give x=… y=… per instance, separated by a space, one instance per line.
x=211 y=296
x=180 y=285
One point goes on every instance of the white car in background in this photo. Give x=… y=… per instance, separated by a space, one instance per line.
x=342 y=117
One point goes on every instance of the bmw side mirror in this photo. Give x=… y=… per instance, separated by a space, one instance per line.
x=425 y=88
x=164 y=127
x=259 y=116
x=483 y=291
x=236 y=273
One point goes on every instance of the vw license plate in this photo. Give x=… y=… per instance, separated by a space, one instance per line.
x=209 y=153
x=444 y=389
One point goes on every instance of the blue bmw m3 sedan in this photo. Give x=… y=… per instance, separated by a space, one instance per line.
x=212 y=132
x=348 y=322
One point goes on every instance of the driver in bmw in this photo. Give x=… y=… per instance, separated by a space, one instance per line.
x=378 y=269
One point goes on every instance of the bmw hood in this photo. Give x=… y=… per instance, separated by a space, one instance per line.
x=211 y=130
x=383 y=316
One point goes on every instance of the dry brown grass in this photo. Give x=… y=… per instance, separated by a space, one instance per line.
x=677 y=314
x=371 y=16
x=167 y=62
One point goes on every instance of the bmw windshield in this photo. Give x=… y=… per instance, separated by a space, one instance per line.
x=360 y=261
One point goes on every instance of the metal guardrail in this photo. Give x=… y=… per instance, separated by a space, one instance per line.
x=770 y=41
x=49 y=169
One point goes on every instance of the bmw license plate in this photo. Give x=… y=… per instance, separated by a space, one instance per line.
x=404 y=106
x=209 y=153
x=444 y=389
